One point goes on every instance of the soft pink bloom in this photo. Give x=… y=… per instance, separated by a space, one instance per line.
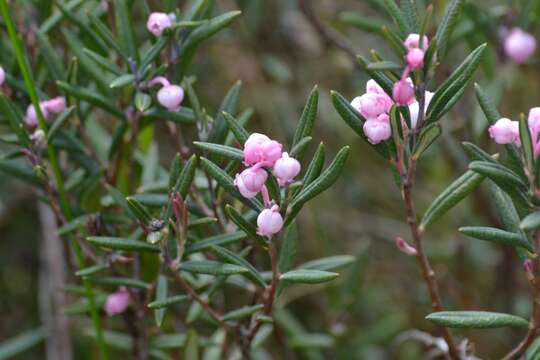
x=415 y=58
x=519 y=45
x=158 y=22
x=413 y=41
x=260 y=148
x=504 y=131
x=117 y=302
x=377 y=130
x=2 y=75
x=171 y=97
x=31 y=118
x=250 y=181
x=269 y=222
x=403 y=92
x=371 y=105
x=404 y=247
x=55 y=105
x=414 y=108
x=286 y=168
x=374 y=88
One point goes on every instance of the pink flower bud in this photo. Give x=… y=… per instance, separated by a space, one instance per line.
x=415 y=58
x=269 y=222
x=413 y=41
x=529 y=269
x=117 y=302
x=260 y=148
x=377 y=130
x=2 y=75
x=504 y=131
x=286 y=168
x=171 y=97
x=404 y=247
x=158 y=22
x=55 y=105
x=534 y=117
x=31 y=118
x=519 y=45
x=252 y=179
x=373 y=88
x=414 y=108
x=403 y=92
x=371 y=105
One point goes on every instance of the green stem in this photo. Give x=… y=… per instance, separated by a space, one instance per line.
x=51 y=151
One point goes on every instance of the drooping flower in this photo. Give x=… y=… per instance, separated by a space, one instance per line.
x=371 y=105
x=31 y=118
x=158 y=22
x=55 y=105
x=414 y=108
x=504 y=131
x=413 y=41
x=415 y=58
x=286 y=168
x=260 y=148
x=250 y=181
x=519 y=45
x=403 y=92
x=378 y=129
x=269 y=222
x=169 y=96
x=117 y=302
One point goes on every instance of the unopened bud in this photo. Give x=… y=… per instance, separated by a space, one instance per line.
x=404 y=247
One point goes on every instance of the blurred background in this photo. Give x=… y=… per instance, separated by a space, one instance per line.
x=279 y=56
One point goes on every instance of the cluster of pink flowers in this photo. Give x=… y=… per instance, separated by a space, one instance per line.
x=48 y=107
x=262 y=153
x=117 y=302
x=375 y=104
x=169 y=96
x=158 y=22
x=506 y=131
x=519 y=45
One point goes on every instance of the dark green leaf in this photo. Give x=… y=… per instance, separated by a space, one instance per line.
x=242 y=312
x=497 y=235
x=168 y=301
x=475 y=319
x=21 y=343
x=161 y=295
x=304 y=276
x=449 y=22
x=222 y=239
x=232 y=258
x=122 y=244
x=211 y=267
x=222 y=150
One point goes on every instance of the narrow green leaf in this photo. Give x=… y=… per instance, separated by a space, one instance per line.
x=312 y=341
x=124 y=23
x=530 y=222
x=304 y=276
x=300 y=147
x=429 y=134
x=139 y=210
x=241 y=313
x=19 y=171
x=161 y=295
x=393 y=10
x=211 y=267
x=476 y=319
x=119 y=281
x=365 y=23
x=91 y=97
x=307 y=120
x=232 y=258
x=168 y=301
x=21 y=343
x=222 y=150
x=448 y=24
x=384 y=66
x=122 y=81
x=222 y=239
x=329 y=263
x=450 y=197
x=91 y=270
x=410 y=14
x=105 y=34
x=103 y=62
x=122 y=244
x=7 y=109
x=497 y=235
x=244 y=224
x=526 y=142
x=475 y=153
x=315 y=167
x=50 y=57
x=237 y=129
x=59 y=122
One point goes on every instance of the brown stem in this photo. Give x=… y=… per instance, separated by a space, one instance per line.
x=534 y=322
x=269 y=299
x=427 y=272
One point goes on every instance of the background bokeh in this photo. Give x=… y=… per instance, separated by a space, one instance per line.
x=279 y=56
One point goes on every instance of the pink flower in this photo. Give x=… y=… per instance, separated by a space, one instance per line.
x=55 y=105
x=250 y=181
x=504 y=131
x=269 y=222
x=373 y=88
x=413 y=41
x=158 y=22
x=117 y=302
x=260 y=148
x=414 y=108
x=415 y=58
x=377 y=130
x=404 y=247
x=2 y=75
x=171 y=97
x=31 y=118
x=403 y=92
x=519 y=45
x=371 y=105
x=286 y=168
